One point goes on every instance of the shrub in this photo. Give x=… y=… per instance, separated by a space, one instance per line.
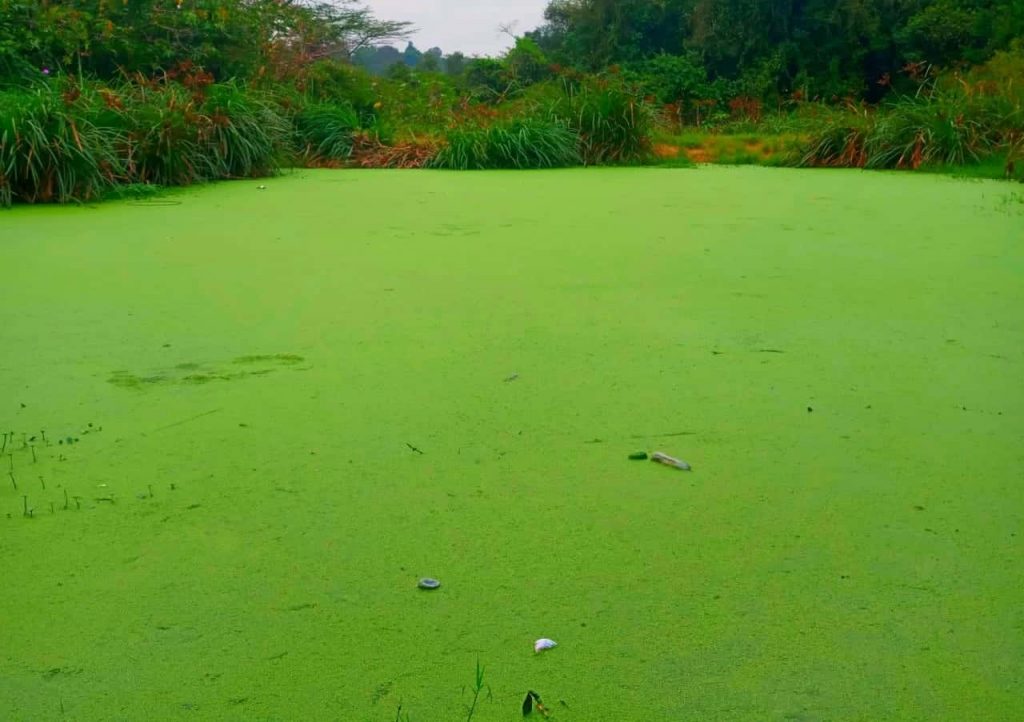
x=50 y=153
x=612 y=121
x=65 y=141
x=324 y=132
x=246 y=133
x=523 y=143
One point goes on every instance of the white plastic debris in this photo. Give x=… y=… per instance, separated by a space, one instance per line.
x=541 y=644
x=667 y=460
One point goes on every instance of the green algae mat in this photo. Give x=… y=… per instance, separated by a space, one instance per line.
x=242 y=423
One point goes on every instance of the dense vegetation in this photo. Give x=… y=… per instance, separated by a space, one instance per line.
x=99 y=97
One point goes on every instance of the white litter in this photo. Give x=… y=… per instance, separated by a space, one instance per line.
x=541 y=644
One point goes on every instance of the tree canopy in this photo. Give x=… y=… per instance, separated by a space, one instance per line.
x=229 y=38
x=824 y=48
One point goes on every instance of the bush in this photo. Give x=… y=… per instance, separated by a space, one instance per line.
x=66 y=141
x=246 y=133
x=612 y=121
x=50 y=153
x=324 y=132
x=524 y=143
x=178 y=135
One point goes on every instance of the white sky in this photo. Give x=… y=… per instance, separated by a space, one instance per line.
x=470 y=26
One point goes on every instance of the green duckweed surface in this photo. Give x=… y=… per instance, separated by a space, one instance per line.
x=245 y=377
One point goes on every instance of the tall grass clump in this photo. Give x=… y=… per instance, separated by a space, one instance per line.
x=69 y=140
x=516 y=144
x=246 y=132
x=325 y=132
x=613 y=122
x=50 y=152
x=177 y=135
x=952 y=120
x=910 y=133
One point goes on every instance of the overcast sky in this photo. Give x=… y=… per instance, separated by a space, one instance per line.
x=470 y=26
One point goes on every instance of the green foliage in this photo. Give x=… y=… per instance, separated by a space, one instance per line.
x=174 y=136
x=672 y=78
x=822 y=49
x=330 y=81
x=952 y=120
x=63 y=141
x=246 y=133
x=228 y=38
x=526 y=63
x=521 y=143
x=611 y=119
x=50 y=152
x=486 y=79
x=324 y=131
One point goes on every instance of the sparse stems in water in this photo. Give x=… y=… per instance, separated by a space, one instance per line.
x=43 y=435
x=150 y=487
x=51 y=508
x=24 y=501
x=478 y=687
x=43 y=483
x=4 y=447
x=33 y=447
x=78 y=502
x=65 y=500
x=13 y=482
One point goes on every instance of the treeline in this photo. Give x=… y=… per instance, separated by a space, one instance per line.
x=102 y=97
x=772 y=49
x=385 y=60
x=250 y=39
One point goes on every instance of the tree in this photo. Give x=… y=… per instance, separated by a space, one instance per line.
x=526 y=63
x=431 y=61
x=455 y=64
x=411 y=56
x=486 y=78
x=225 y=37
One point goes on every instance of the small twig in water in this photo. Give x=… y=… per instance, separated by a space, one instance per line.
x=414 y=448
x=15 y=483
x=42 y=483
x=33 y=447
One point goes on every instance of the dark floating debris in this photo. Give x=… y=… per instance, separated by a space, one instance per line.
x=533 y=699
x=638 y=456
x=429 y=584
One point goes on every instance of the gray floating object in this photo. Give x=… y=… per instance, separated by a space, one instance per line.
x=428 y=583
x=669 y=461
